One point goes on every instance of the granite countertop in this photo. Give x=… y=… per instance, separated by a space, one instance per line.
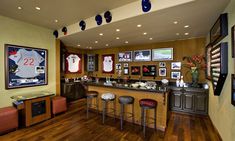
x=32 y=95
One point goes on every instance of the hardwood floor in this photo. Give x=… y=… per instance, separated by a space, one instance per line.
x=73 y=126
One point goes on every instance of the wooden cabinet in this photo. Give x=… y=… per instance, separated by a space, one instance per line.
x=189 y=100
x=91 y=62
x=73 y=91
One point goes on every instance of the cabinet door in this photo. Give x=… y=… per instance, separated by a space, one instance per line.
x=68 y=91
x=188 y=102
x=201 y=103
x=176 y=100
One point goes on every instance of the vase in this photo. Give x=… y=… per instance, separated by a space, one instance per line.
x=195 y=77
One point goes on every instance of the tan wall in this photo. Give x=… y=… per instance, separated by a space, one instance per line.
x=182 y=48
x=20 y=33
x=221 y=111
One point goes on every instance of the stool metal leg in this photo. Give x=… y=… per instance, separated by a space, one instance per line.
x=142 y=115
x=104 y=110
x=121 y=115
x=87 y=107
x=155 y=117
x=144 y=121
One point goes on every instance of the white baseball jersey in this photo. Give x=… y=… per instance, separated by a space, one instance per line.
x=108 y=64
x=27 y=62
x=73 y=63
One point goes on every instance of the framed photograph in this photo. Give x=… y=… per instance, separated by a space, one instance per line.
x=25 y=66
x=233 y=90
x=142 y=55
x=108 y=63
x=219 y=29
x=208 y=61
x=135 y=70
x=162 y=71
x=125 y=56
x=162 y=64
x=149 y=70
x=175 y=74
x=161 y=54
x=126 y=71
x=125 y=65
x=73 y=63
x=233 y=41
x=118 y=66
x=176 y=65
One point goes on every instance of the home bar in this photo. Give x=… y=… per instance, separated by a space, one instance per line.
x=126 y=70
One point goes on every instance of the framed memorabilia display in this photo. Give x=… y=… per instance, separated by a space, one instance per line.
x=233 y=41
x=73 y=63
x=149 y=70
x=162 y=71
x=125 y=65
x=125 y=56
x=142 y=55
x=176 y=65
x=219 y=29
x=118 y=66
x=162 y=54
x=208 y=62
x=162 y=64
x=175 y=74
x=126 y=71
x=25 y=66
x=135 y=70
x=108 y=63
x=233 y=90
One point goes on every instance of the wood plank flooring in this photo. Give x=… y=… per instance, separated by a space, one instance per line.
x=73 y=126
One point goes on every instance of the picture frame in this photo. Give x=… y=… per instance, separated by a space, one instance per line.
x=176 y=65
x=126 y=71
x=162 y=72
x=175 y=74
x=73 y=63
x=233 y=41
x=149 y=70
x=162 y=64
x=25 y=66
x=233 y=89
x=219 y=30
x=108 y=62
x=135 y=70
x=125 y=65
x=142 y=55
x=125 y=56
x=162 y=54
x=208 y=61
x=118 y=66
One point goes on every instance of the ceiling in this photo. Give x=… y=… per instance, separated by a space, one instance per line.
x=199 y=15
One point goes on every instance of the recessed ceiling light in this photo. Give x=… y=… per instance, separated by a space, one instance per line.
x=186 y=33
x=177 y=34
x=37 y=8
x=117 y=30
x=145 y=33
x=139 y=25
x=19 y=7
x=186 y=26
x=56 y=20
x=107 y=45
x=117 y=38
x=90 y=47
x=101 y=34
x=96 y=42
x=78 y=45
x=175 y=22
x=150 y=38
x=126 y=42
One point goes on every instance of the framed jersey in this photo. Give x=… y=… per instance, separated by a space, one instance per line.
x=73 y=63
x=25 y=66
x=108 y=63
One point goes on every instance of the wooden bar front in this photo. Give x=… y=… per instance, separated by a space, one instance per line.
x=161 y=98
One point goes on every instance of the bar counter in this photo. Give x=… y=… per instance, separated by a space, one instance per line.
x=159 y=94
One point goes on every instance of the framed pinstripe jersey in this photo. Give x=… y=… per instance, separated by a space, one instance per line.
x=25 y=66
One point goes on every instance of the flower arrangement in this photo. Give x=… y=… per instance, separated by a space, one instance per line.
x=195 y=63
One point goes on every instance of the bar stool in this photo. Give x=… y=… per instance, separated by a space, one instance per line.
x=108 y=97
x=147 y=104
x=89 y=96
x=124 y=100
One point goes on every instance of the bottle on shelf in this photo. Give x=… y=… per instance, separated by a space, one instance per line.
x=177 y=82
x=182 y=82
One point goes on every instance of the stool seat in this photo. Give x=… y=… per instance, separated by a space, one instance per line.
x=148 y=103
x=126 y=99
x=92 y=93
x=108 y=96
